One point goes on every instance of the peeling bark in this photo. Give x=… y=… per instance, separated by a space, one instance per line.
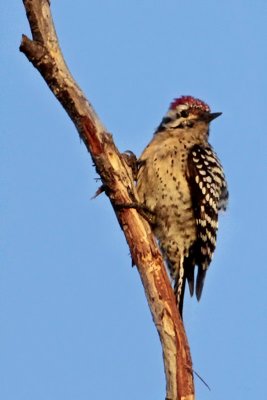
x=44 y=53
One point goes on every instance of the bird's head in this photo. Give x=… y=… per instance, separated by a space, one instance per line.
x=185 y=112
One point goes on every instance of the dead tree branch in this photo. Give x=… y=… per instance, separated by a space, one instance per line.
x=44 y=53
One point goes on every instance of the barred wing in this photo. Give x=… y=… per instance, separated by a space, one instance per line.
x=209 y=194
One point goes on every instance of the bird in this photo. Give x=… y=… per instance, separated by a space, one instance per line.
x=181 y=181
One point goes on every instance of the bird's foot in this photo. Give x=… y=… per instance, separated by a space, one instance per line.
x=143 y=210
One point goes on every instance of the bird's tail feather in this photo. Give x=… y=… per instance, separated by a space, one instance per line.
x=178 y=275
x=200 y=281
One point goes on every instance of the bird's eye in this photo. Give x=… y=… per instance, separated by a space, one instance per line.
x=184 y=113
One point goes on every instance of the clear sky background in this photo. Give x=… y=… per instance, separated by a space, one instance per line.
x=74 y=321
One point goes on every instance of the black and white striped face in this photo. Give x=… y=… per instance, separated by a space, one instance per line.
x=184 y=112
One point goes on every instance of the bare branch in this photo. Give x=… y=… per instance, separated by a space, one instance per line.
x=45 y=55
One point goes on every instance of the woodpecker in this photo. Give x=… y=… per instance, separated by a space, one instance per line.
x=182 y=183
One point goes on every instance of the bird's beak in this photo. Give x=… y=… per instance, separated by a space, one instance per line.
x=212 y=116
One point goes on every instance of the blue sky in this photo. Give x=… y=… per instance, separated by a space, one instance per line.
x=74 y=322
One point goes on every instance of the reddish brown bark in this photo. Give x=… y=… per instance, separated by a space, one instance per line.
x=45 y=54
